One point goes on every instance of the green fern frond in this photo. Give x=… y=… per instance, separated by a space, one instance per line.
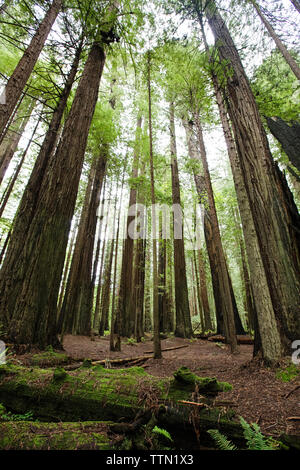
x=255 y=439
x=222 y=442
x=162 y=432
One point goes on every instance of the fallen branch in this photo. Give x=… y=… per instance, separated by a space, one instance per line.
x=292 y=391
x=170 y=349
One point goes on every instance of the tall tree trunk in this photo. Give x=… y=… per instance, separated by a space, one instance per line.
x=9 y=272
x=276 y=219
x=183 y=318
x=78 y=301
x=22 y=72
x=280 y=46
x=222 y=289
x=106 y=291
x=33 y=316
x=156 y=333
x=126 y=282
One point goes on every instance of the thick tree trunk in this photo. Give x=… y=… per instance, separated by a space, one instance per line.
x=274 y=213
x=183 y=326
x=9 y=276
x=22 y=72
x=33 y=317
x=280 y=46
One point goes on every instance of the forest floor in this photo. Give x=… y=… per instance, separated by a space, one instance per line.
x=258 y=394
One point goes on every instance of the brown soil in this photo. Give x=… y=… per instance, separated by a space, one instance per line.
x=257 y=394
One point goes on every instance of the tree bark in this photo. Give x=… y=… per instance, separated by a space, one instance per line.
x=9 y=277
x=78 y=301
x=222 y=289
x=33 y=316
x=274 y=213
x=126 y=283
x=183 y=326
x=156 y=335
x=22 y=72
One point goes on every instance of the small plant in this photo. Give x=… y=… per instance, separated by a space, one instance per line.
x=131 y=341
x=162 y=432
x=288 y=373
x=8 y=416
x=254 y=438
x=222 y=442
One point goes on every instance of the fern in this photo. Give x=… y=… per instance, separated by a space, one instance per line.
x=222 y=442
x=162 y=432
x=253 y=436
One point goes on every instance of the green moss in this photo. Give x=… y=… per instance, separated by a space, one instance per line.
x=205 y=384
x=56 y=436
x=288 y=373
x=49 y=358
x=59 y=374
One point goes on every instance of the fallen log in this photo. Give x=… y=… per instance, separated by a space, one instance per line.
x=96 y=393
x=119 y=395
x=58 y=436
x=170 y=349
x=241 y=339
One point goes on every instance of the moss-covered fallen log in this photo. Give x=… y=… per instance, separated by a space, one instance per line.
x=100 y=394
x=58 y=436
x=96 y=393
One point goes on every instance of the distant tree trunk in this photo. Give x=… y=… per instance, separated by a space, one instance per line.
x=276 y=219
x=156 y=333
x=18 y=169
x=222 y=288
x=65 y=277
x=126 y=282
x=9 y=146
x=33 y=316
x=280 y=46
x=105 y=300
x=296 y=4
x=203 y=291
x=183 y=318
x=139 y=267
x=78 y=300
x=22 y=72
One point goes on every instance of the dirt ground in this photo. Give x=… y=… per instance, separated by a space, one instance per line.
x=257 y=394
